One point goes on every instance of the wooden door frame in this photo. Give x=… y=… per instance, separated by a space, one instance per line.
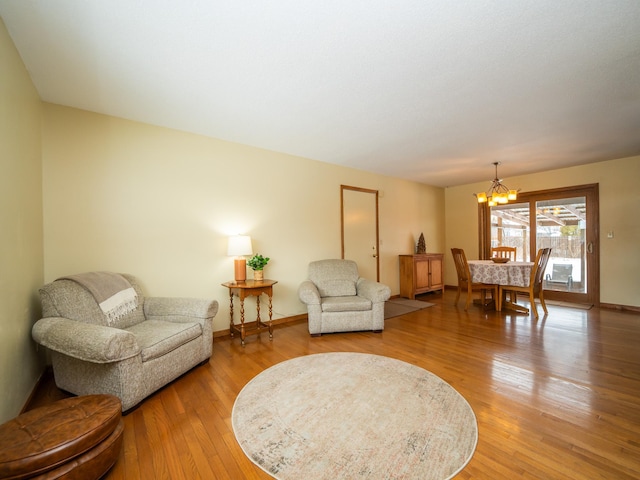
x=362 y=190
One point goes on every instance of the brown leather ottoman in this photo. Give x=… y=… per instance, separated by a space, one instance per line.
x=75 y=438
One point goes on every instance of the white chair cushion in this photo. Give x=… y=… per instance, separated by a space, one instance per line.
x=336 y=288
x=346 y=304
x=156 y=337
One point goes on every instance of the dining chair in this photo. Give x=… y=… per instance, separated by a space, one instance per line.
x=504 y=252
x=535 y=283
x=464 y=280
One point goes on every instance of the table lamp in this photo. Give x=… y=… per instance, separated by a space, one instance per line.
x=239 y=246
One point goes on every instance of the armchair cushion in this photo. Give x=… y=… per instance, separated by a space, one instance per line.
x=334 y=278
x=336 y=288
x=66 y=298
x=174 y=308
x=346 y=304
x=157 y=338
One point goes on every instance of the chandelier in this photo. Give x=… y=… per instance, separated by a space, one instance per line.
x=497 y=193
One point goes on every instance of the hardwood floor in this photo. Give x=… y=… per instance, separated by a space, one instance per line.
x=557 y=398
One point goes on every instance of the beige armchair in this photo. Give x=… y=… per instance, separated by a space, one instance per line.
x=130 y=355
x=339 y=300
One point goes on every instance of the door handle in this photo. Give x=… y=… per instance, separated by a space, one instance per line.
x=590 y=247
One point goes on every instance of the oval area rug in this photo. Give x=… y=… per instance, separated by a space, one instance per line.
x=353 y=416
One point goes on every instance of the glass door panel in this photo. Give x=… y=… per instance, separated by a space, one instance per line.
x=510 y=228
x=561 y=224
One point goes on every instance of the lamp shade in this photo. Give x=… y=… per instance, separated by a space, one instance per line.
x=239 y=245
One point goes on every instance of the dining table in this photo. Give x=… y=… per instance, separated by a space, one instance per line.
x=509 y=273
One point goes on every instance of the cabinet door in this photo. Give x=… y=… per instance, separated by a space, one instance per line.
x=436 y=272
x=422 y=274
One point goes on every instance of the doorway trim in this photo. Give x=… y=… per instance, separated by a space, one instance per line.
x=361 y=190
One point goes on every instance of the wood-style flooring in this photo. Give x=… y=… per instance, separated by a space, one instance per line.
x=557 y=398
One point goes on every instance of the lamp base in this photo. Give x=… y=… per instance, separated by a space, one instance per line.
x=240 y=267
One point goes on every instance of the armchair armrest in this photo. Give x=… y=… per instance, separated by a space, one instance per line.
x=308 y=293
x=189 y=308
x=374 y=291
x=85 y=341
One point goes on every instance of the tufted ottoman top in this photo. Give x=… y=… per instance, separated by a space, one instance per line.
x=45 y=437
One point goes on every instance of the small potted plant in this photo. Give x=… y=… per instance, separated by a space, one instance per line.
x=257 y=264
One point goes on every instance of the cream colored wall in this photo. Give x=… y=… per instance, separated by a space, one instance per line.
x=159 y=203
x=21 y=257
x=619 y=207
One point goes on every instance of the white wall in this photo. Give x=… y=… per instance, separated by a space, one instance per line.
x=619 y=207
x=21 y=257
x=160 y=204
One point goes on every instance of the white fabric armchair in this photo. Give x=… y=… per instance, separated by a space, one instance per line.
x=339 y=300
x=131 y=356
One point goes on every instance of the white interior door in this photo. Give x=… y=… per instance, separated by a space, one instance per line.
x=360 y=229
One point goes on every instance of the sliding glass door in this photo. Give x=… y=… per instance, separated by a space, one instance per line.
x=566 y=220
x=561 y=224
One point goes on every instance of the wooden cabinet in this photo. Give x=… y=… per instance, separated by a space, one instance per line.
x=420 y=273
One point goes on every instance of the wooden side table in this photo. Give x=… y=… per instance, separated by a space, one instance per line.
x=246 y=289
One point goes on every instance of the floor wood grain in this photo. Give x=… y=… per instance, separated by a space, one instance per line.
x=557 y=398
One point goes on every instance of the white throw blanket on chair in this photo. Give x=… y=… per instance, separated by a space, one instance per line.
x=112 y=292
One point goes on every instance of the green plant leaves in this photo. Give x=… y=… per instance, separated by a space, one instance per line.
x=257 y=262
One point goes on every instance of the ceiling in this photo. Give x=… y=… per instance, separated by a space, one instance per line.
x=432 y=91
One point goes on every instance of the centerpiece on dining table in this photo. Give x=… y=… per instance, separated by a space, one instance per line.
x=499 y=259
